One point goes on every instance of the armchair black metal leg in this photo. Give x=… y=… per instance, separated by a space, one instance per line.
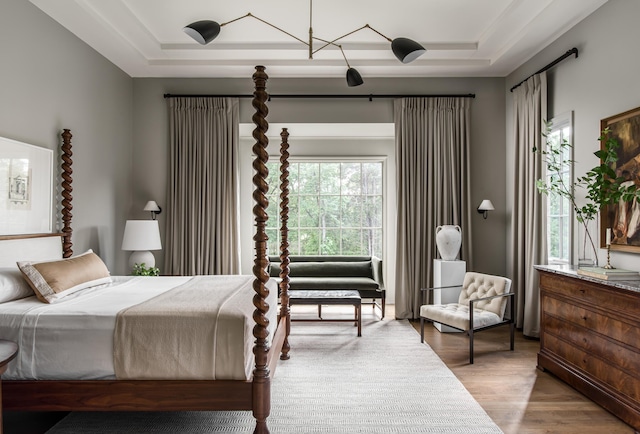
x=512 y=326
x=471 y=346
x=383 y=307
x=421 y=330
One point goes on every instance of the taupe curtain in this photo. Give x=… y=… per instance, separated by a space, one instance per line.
x=432 y=159
x=528 y=220
x=202 y=199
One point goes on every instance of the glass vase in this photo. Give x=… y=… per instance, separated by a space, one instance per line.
x=588 y=243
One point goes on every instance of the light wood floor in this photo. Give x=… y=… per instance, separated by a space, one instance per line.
x=519 y=398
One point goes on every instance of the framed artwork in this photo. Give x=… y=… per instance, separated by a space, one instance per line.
x=26 y=188
x=624 y=218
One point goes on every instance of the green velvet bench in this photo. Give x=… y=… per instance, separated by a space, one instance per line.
x=333 y=273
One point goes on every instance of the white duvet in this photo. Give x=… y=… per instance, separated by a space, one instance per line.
x=73 y=338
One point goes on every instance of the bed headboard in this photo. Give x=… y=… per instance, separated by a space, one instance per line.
x=38 y=247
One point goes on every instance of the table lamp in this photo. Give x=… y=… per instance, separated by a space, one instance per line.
x=141 y=236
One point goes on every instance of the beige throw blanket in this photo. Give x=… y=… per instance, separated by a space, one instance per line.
x=201 y=330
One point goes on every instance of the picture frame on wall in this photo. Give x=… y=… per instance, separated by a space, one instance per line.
x=623 y=218
x=26 y=188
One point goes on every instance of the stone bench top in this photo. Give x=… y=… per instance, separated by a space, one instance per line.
x=325 y=297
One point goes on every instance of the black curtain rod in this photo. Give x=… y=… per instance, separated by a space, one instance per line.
x=574 y=50
x=328 y=96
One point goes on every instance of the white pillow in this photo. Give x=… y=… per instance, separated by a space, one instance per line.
x=12 y=285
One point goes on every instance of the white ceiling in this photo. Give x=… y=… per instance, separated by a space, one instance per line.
x=479 y=38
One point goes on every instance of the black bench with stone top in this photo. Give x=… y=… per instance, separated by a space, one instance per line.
x=331 y=297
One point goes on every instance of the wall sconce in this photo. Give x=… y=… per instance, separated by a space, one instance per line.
x=141 y=236
x=153 y=207
x=485 y=206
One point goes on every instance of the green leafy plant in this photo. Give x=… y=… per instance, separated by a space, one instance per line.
x=603 y=186
x=143 y=270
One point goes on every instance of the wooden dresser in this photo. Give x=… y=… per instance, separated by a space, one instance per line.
x=590 y=338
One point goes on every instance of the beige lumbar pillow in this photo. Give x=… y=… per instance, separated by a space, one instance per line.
x=53 y=280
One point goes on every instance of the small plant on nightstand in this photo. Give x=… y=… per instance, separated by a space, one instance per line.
x=143 y=270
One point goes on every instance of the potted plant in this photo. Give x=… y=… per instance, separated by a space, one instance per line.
x=143 y=270
x=603 y=187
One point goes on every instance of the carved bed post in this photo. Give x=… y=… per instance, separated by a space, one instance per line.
x=285 y=311
x=261 y=380
x=67 y=179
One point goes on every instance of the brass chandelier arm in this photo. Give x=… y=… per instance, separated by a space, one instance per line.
x=343 y=55
x=384 y=36
x=327 y=43
x=265 y=22
x=333 y=42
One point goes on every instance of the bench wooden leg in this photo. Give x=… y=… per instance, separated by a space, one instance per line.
x=359 y=318
x=320 y=311
x=381 y=306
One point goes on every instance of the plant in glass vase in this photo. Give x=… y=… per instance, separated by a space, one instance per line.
x=603 y=186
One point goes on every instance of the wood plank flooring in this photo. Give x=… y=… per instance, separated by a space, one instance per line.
x=519 y=398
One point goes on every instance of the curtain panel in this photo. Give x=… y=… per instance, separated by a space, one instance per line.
x=202 y=235
x=528 y=219
x=432 y=158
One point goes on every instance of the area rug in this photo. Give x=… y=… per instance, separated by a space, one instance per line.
x=335 y=382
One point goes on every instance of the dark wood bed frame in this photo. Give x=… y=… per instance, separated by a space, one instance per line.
x=179 y=395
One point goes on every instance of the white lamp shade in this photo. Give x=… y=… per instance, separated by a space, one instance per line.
x=486 y=205
x=141 y=235
x=152 y=205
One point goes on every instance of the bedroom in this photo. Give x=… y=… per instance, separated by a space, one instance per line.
x=51 y=80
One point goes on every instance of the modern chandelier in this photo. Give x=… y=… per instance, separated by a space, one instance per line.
x=405 y=50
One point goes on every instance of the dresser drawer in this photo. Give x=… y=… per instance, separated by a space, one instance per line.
x=594 y=368
x=622 y=331
x=611 y=352
x=617 y=301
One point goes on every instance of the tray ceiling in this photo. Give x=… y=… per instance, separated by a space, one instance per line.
x=479 y=38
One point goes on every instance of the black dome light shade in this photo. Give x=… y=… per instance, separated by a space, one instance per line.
x=407 y=50
x=203 y=31
x=353 y=78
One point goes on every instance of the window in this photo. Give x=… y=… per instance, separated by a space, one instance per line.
x=558 y=208
x=335 y=207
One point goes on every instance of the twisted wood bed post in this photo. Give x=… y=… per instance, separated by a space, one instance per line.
x=261 y=380
x=285 y=311
x=67 y=179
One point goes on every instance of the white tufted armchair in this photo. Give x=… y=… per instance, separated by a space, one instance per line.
x=482 y=303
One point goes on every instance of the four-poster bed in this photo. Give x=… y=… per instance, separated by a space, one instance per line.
x=250 y=394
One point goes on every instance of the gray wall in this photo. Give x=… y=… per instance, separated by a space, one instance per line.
x=50 y=80
x=488 y=111
x=601 y=82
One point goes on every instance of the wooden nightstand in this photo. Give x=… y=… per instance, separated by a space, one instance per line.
x=8 y=351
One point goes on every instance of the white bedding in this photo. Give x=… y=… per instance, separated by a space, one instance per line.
x=74 y=337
